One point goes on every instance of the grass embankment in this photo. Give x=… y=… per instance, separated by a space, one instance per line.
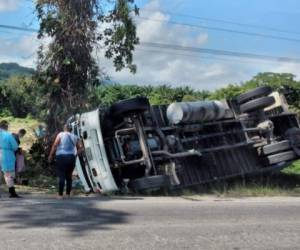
x=28 y=123
x=284 y=183
x=38 y=183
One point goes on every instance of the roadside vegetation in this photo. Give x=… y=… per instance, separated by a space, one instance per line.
x=283 y=183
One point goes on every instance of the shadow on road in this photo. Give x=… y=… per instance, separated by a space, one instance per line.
x=78 y=216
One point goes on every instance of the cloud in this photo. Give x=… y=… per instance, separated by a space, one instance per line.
x=292 y=68
x=9 y=5
x=160 y=66
x=176 y=68
x=21 y=50
x=157 y=66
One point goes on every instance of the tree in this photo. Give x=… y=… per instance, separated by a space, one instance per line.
x=67 y=68
x=20 y=96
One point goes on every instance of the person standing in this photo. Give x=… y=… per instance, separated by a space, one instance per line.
x=21 y=133
x=8 y=146
x=20 y=158
x=65 y=147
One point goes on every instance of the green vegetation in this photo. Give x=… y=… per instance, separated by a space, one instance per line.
x=28 y=123
x=293 y=169
x=21 y=95
x=280 y=184
x=13 y=69
x=284 y=183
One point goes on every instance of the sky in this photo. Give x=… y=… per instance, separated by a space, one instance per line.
x=275 y=23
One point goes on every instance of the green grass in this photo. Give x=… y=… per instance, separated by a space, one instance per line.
x=256 y=190
x=281 y=184
x=285 y=183
x=293 y=169
x=27 y=123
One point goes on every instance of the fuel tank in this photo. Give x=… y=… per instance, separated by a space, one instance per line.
x=200 y=111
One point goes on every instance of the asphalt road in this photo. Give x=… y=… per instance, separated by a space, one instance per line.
x=149 y=223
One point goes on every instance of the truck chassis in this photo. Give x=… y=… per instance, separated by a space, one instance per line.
x=133 y=145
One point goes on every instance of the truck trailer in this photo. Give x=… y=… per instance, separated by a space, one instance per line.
x=135 y=146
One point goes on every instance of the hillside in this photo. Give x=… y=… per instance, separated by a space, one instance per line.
x=9 y=69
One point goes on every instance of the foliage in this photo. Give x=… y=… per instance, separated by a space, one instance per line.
x=285 y=83
x=37 y=159
x=20 y=96
x=164 y=94
x=67 y=69
x=105 y=95
x=293 y=169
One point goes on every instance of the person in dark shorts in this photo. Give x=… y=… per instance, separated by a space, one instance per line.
x=65 y=147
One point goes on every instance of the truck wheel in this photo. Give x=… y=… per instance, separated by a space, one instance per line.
x=281 y=157
x=256 y=104
x=276 y=147
x=254 y=93
x=129 y=106
x=151 y=182
x=293 y=135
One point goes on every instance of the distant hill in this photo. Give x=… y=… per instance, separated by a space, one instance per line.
x=10 y=69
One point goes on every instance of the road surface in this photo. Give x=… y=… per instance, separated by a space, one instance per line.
x=149 y=223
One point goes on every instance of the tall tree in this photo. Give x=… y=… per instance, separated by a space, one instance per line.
x=67 y=67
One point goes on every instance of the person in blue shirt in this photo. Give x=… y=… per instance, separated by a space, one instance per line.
x=65 y=147
x=8 y=147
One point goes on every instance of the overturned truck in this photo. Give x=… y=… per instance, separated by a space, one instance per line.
x=133 y=145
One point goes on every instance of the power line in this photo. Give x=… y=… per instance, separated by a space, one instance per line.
x=191 y=49
x=228 y=22
x=211 y=57
x=17 y=28
x=219 y=52
x=223 y=29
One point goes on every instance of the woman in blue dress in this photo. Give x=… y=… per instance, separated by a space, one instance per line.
x=8 y=146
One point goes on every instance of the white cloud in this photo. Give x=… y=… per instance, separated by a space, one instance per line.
x=9 y=5
x=292 y=68
x=21 y=50
x=160 y=66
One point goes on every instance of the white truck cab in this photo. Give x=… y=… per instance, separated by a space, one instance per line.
x=93 y=167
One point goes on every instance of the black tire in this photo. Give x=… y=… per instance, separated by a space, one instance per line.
x=151 y=182
x=254 y=93
x=129 y=106
x=276 y=147
x=256 y=104
x=292 y=134
x=281 y=157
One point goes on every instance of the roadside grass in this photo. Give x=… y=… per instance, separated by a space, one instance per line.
x=28 y=123
x=284 y=183
x=293 y=169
